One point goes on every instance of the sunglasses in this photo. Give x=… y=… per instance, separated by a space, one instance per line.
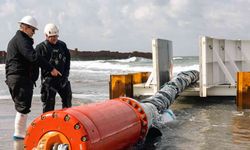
x=32 y=28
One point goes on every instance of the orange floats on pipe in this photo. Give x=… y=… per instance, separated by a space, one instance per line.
x=112 y=124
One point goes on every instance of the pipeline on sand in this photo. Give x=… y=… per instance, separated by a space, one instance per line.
x=113 y=124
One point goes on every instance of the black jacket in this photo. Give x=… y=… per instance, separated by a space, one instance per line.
x=57 y=55
x=22 y=59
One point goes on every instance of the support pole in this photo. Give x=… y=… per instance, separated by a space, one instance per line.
x=243 y=90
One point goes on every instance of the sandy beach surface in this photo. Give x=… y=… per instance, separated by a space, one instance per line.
x=7 y=115
x=7 y=118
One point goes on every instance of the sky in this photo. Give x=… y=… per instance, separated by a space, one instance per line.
x=130 y=25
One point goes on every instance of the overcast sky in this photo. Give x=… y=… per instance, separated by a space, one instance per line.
x=130 y=25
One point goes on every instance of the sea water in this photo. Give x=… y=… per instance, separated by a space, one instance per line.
x=90 y=79
x=201 y=124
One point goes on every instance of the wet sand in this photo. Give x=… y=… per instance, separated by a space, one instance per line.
x=204 y=124
x=7 y=118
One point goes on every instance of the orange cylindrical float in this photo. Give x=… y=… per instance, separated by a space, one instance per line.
x=112 y=124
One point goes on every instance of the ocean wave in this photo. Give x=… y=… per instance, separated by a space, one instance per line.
x=133 y=64
x=107 y=66
x=110 y=68
x=178 y=69
x=117 y=69
x=5 y=97
x=75 y=71
x=2 y=66
x=177 y=58
x=129 y=60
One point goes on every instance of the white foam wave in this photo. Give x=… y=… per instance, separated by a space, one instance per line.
x=131 y=59
x=100 y=66
x=178 y=69
x=177 y=58
x=2 y=66
x=88 y=71
x=111 y=68
x=5 y=97
x=107 y=67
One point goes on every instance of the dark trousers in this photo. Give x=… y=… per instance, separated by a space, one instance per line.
x=48 y=94
x=21 y=91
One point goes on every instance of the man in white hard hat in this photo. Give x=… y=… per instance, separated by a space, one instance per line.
x=57 y=54
x=21 y=73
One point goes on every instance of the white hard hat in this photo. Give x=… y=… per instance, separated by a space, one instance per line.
x=51 y=29
x=29 y=20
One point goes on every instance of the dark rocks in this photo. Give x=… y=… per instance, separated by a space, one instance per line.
x=96 y=55
x=104 y=55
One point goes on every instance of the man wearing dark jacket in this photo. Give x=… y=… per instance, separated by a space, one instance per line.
x=21 y=74
x=57 y=54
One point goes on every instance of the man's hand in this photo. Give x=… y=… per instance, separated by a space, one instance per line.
x=55 y=73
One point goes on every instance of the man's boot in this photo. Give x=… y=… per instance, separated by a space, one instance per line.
x=20 y=129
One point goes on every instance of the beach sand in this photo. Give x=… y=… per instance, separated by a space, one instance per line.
x=7 y=116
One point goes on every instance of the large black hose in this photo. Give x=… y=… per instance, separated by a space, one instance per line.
x=170 y=90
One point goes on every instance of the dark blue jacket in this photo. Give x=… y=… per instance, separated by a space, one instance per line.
x=57 y=55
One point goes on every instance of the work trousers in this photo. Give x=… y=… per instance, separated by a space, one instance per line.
x=21 y=91
x=48 y=94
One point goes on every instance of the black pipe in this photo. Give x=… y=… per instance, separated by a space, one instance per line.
x=170 y=90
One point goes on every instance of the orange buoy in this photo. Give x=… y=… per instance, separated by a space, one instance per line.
x=112 y=124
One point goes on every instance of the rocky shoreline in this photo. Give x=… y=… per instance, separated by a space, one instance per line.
x=96 y=55
x=105 y=54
